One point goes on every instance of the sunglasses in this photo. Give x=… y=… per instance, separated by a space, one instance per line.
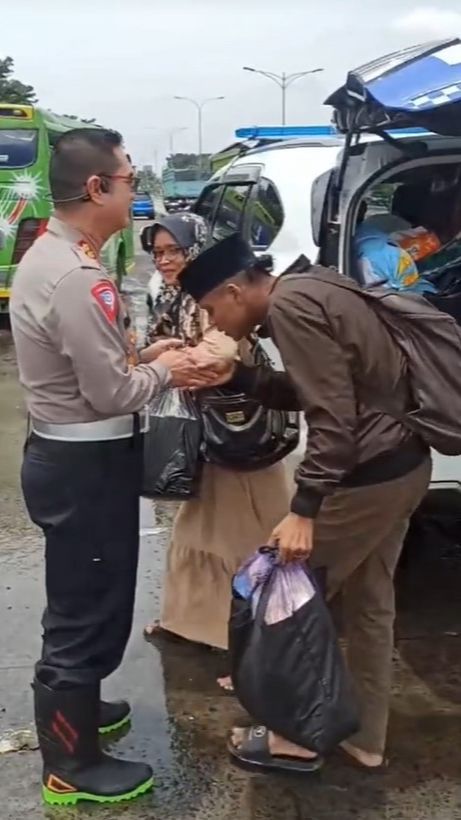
x=130 y=179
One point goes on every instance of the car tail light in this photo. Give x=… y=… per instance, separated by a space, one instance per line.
x=29 y=230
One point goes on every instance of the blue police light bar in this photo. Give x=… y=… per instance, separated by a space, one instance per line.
x=284 y=132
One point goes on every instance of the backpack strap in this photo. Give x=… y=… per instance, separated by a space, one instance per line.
x=413 y=302
x=327 y=275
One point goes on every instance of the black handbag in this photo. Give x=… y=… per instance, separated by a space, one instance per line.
x=240 y=434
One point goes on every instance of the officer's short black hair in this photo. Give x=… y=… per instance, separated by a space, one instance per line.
x=79 y=154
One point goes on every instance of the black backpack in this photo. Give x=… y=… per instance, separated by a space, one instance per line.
x=429 y=334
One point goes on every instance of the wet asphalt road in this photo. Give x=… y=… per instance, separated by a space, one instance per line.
x=181 y=720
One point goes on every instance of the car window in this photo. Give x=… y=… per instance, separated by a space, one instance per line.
x=207 y=203
x=141 y=196
x=380 y=198
x=378 y=208
x=229 y=216
x=266 y=215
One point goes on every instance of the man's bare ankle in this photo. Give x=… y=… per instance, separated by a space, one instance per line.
x=369 y=759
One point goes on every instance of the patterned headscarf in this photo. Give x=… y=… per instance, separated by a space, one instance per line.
x=175 y=313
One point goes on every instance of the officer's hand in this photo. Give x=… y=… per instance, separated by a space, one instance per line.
x=218 y=370
x=219 y=373
x=184 y=370
x=153 y=351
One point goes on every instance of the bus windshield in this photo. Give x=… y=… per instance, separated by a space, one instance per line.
x=18 y=147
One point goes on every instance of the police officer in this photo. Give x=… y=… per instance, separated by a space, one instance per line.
x=82 y=466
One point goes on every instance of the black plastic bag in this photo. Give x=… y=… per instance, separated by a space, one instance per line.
x=172 y=463
x=287 y=668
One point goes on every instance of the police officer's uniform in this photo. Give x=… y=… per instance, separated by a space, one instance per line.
x=81 y=479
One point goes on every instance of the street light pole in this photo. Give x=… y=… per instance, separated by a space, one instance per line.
x=200 y=133
x=284 y=98
x=283 y=81
x=199 y=106
x=171 y=134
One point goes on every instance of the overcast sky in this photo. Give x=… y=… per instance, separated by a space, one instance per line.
x=122 y=61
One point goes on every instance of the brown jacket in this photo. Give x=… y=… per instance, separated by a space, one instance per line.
x=338 y=358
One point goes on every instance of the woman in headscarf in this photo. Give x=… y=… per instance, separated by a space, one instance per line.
x=235 y=512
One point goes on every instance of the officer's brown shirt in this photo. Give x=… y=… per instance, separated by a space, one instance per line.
x=68 y=326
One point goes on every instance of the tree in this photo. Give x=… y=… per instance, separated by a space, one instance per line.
x=12 y=91
x=182 y=161
x=80 y=119
x=147 y=180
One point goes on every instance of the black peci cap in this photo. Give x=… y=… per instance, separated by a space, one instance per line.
x=216 y=265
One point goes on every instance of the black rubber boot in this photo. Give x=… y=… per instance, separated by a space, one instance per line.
x=113 y=716
x=74 y=767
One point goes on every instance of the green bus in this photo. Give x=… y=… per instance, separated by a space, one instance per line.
x=27 y=136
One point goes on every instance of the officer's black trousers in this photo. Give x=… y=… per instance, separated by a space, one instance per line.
x=85 y=498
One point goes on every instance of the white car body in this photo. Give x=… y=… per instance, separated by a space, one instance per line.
x=292 y=166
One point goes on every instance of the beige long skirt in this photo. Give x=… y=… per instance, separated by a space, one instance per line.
x=212 y=536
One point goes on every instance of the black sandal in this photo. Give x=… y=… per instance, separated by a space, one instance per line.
x=254 y=754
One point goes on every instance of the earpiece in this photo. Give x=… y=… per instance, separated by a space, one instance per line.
x=104 y=185
x=79 y=198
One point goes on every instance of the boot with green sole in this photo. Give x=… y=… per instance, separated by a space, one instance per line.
x=113 y=716
x=74 y=767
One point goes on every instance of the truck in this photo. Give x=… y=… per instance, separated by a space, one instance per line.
x=182 y=187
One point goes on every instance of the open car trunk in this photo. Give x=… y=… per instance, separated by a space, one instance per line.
x=416 y=87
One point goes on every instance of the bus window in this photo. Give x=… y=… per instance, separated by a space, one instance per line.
x=266 y=217
x=229 y=217
x=18 y=148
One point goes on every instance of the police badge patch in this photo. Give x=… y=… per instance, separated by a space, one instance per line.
x=105 y=295
x=87 y=249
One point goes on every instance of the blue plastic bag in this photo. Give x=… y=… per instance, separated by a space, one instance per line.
x=287 y=668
